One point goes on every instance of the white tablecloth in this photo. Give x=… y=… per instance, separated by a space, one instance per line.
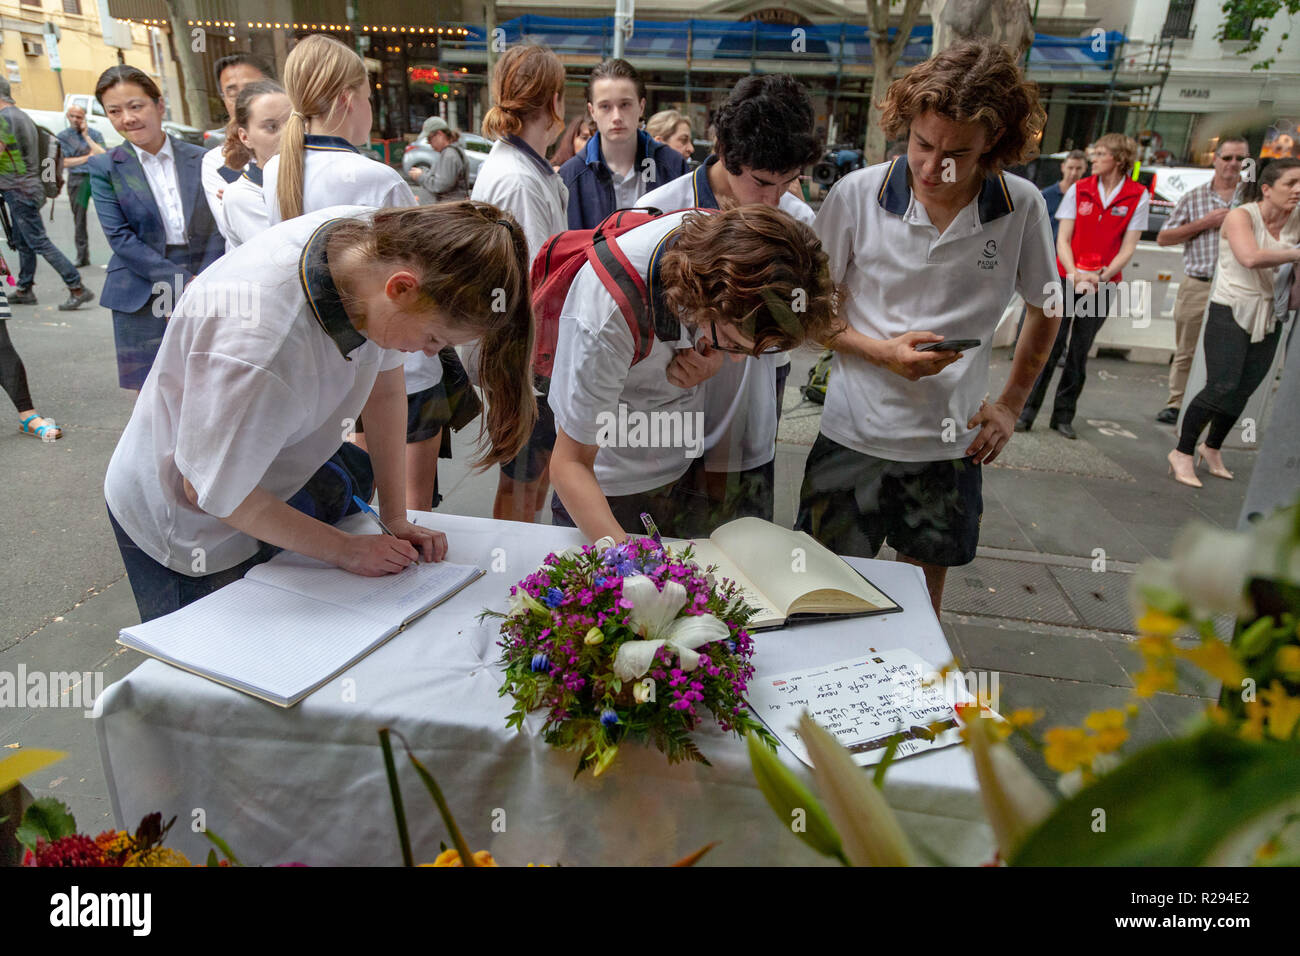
x=307 y=784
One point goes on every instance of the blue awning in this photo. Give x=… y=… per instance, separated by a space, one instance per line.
x=724 y=40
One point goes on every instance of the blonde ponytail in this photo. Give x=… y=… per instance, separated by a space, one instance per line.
x=317 y=72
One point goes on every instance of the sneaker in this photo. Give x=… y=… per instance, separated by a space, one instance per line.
x=23 y=296
x=1167 y=416
x=76 y=298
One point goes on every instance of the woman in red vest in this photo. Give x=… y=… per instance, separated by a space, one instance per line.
x=1102 y=217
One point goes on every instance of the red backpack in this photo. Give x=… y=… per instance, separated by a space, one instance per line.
x=557 y=264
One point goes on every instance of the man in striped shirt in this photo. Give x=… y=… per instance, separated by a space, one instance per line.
x=1195 y=223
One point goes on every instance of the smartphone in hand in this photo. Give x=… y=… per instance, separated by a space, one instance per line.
x=949 y=345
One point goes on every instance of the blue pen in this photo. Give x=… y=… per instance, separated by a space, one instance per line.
x=379 y=521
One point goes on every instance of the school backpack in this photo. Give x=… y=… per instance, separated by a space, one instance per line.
x=50 y=151
x=819 y=377
x=556 y=266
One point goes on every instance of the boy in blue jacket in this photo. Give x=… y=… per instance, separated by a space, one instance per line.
x=621 y=162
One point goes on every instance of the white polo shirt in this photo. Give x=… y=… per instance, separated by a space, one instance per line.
x=334 y=172
x=259 y=374
x=593 y=374
x=898 y=274
x=516 y=179
x=740 y=398
x=213 y=182
x=243 y=213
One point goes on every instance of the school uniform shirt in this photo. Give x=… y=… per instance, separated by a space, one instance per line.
x=243 y=212
x=259 y=372
x=739 y=399
x=593 y=374
x=334 y=172
x=900 y=275
x=515 y=178
x=215 y=178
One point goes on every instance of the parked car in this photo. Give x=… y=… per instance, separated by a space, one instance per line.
x=420 y=153
x=213 y=137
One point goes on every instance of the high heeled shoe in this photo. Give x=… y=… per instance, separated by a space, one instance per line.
x=1216 y=472
x=1191 y=481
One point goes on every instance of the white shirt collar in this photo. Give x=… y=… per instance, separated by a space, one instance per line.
x=144 y=155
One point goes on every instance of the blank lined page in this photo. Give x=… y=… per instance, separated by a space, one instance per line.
x=264 y=641
x=392 y=599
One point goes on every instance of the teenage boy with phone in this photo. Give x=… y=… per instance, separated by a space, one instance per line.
x=929 y=248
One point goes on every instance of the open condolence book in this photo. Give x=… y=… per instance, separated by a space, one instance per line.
x=292 y=624
x=788 y=575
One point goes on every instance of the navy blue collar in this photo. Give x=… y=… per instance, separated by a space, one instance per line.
x=323 y=295
x=538 y=161
x=253 y=173
x=703 y=192
x=895 y=194
x=228 y=174
x=335 y=143
x=592 y=156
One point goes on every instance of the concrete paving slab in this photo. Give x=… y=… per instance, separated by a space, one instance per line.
x=1015 y=649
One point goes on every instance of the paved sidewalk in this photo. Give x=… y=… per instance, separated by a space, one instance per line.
x=1030 y=607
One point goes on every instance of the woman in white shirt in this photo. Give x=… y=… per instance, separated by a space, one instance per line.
x=721 y=287
x=318 y=166
x=261 y=110
x=271 y=355
x=527 y=114
x=1241 y=328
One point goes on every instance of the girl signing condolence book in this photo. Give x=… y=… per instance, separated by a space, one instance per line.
x=268 y=361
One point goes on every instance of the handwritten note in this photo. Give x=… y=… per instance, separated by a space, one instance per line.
x=864 y=702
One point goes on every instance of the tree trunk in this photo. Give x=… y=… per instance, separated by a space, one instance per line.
x=195 y=106
x=884 y=55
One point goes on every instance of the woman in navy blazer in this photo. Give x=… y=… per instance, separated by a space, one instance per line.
x=150 y=202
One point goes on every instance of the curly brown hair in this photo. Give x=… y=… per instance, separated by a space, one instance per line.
x=972 y=81
x=755 y=268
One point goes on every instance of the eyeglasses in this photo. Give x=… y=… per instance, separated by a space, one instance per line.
x=1234 y=159
x=737 y=350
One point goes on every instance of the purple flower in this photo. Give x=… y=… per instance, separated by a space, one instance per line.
x=553 y=597
x=609 y=717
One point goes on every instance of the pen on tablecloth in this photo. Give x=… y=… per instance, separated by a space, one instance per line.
x=651 y=528
x=379 y=521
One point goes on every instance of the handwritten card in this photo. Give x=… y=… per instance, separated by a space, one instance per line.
x=864 y=701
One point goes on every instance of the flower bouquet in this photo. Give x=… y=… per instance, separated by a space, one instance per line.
x=630 y=643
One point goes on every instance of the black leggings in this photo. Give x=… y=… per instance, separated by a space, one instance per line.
x=13 y=377
x=1234 y=367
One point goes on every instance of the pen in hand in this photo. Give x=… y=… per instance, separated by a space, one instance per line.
x=379 y=521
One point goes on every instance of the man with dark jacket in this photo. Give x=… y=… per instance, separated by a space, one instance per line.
x=20 y=183
x=621 y=162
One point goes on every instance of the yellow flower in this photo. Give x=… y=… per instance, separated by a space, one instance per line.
x=1217 y=715
x=1109 y=732
x=1253 y=728
x=1288 y=661
x=452 y=858
x=1159 y=624
x=1283 y=711
x=158 y=856
x=1215 y=658
x=1067 y=748
x=1024 y=717
x=1154 y=679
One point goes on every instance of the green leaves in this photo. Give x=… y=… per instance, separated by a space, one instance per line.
x=793 y=803
x=1174 y=804
x=47 y=819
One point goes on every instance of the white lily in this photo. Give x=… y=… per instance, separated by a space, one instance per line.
x=1014 y=800
x=654 y=617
